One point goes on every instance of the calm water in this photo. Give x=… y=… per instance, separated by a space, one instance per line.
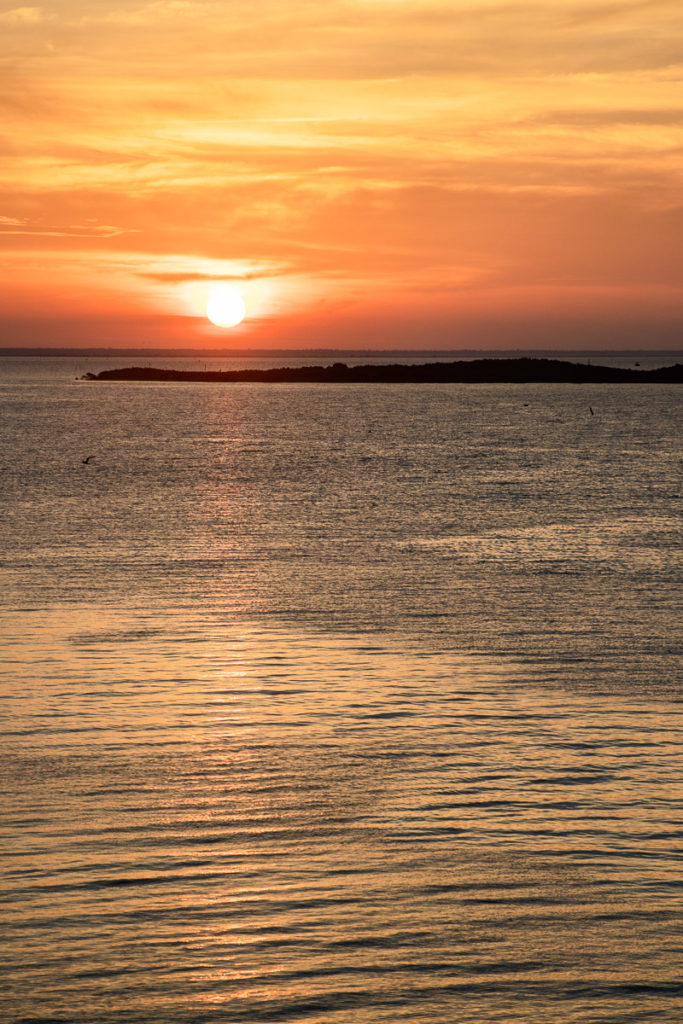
x=343 y=704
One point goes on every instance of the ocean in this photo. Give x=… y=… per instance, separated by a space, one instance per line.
x=339 y=704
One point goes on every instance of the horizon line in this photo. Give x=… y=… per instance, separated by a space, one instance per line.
x=258 y=353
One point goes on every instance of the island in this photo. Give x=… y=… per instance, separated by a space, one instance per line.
x=522 y=370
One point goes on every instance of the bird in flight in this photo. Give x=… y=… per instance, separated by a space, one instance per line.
x=86 y=461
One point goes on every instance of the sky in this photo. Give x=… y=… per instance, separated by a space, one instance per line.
x=425 y=174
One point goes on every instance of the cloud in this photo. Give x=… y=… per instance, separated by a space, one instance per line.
x=23 y=16
x=593 y=12
x=183 y=277
x=607 y=116
x=353 y=40
x=14 y=226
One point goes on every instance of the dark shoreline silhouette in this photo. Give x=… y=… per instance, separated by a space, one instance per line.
x=476 y=371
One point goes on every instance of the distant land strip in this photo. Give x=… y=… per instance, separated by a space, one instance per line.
x=476 y=371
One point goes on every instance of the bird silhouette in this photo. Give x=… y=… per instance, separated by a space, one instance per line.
x=86 y=461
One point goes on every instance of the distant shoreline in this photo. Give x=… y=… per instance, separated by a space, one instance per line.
x=522 y=370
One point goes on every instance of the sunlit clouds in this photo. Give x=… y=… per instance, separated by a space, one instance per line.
x=431 y=171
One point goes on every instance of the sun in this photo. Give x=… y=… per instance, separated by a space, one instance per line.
x=225 y=306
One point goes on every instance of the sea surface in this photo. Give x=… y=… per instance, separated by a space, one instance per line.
x=339 y=704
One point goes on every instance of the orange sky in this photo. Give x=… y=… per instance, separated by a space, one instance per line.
x=372 y=173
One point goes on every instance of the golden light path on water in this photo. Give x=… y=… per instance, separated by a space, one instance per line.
x=339 y=704
x=217 y=825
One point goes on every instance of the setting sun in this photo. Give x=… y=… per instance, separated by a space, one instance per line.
x=225 y=306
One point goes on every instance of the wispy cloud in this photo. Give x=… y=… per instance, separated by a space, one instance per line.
x=14 y=226
x=382 y=148
x=180 y=277
x=21 y=16
x=589 y=13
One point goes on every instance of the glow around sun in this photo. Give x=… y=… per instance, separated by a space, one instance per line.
x=225 y=306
